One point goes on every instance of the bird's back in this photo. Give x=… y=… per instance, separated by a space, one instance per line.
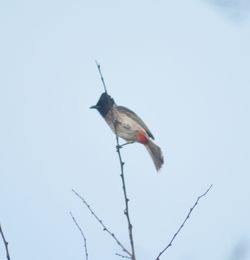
x=135 y=117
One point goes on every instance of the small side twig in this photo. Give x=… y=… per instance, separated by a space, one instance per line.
x=5 y=243
x=101 y=223
x=183 y=223
x=84 y=238
x=123 y=256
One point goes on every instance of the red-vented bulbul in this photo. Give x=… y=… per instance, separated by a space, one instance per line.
x=128 y=126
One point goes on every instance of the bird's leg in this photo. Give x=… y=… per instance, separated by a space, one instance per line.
x=129 y=142
x=121 y=145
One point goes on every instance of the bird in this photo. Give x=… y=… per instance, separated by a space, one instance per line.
x=129 y=126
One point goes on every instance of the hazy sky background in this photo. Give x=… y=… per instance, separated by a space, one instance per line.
x=183 y=66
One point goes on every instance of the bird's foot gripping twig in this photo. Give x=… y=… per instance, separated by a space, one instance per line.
x=122 y=145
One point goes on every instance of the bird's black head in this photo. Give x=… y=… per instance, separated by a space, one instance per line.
x=104 y=104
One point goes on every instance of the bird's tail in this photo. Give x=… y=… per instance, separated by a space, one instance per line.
x=155 y=153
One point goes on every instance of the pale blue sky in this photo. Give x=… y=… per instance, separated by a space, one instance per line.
x=183 y=66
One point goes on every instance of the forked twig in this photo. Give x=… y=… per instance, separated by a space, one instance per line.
x=101 y=223
x=84 y=238
x=183 y=223
x=126 y=211
x=5 y=243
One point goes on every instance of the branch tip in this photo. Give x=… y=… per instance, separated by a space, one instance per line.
x=102 y=79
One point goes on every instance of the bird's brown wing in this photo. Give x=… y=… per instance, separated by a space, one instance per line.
x=133 y=115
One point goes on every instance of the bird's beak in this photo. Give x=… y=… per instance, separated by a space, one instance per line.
x=95 y=107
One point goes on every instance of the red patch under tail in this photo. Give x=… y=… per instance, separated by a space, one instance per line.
x=141 y=137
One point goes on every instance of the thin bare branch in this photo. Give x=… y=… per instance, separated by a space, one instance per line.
x=5 y=244
x=84 y=238
x=126 y=199
x=126 y=211
x=100 y=72
x=118 y=147
x=101 y=223
x=183 y=223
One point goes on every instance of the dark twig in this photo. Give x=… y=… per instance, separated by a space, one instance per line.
x=123 y=256
x=103 y=82
x=126 y=211
x=5 y=243
x=101 y=223
x=183 y=223
x=118 y=147
x=84 y=238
